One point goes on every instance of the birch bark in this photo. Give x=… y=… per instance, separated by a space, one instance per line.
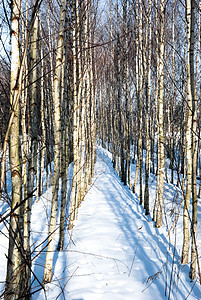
x=160 y=122
x=13 y=276
x=75 y=118
x=57 y=129
x=190 y=92
x=148 y=142
x=194 y=254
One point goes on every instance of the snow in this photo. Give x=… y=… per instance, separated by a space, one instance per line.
x=114 y=251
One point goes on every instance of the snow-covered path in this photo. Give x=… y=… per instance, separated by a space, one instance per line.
x=110 y=236
x=114 y=251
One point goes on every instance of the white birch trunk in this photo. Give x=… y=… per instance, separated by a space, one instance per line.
x=57 y=129
x=160 y=174
x=73 y=207
x=186 y=238
x=194 y=253
x=43 y=144
x=32 y=159
x=64 y=150
x=13 y=276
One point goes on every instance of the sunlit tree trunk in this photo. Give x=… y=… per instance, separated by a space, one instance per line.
x=190 y=95
x=83 y=96
x=194 y=256
x=23 y=111
x=43 y=142
x=160 y=173
x=64 y=145
x=32 y=156
x=156 y=107
x=75 y=117
x=14 y=261
x=173 y=98
x=51 y=87
x=57 y=129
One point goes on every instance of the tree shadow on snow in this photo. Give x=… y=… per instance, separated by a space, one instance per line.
x=149 y=245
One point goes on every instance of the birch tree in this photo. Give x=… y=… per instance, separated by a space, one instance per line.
x=148 y=96
x=64 y=141
x=160 y=173
x=190 y=96
x=57 y=132
x=194 y=254
x=75 y=116
x=14 y=262
x=32 y=160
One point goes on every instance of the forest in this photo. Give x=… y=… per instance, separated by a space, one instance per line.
x=100 y=115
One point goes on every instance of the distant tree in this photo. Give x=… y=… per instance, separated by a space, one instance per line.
x=148 y=100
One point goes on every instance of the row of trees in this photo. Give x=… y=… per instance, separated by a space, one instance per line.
x=148 y=102
x=52 y=123
x=133 y=79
